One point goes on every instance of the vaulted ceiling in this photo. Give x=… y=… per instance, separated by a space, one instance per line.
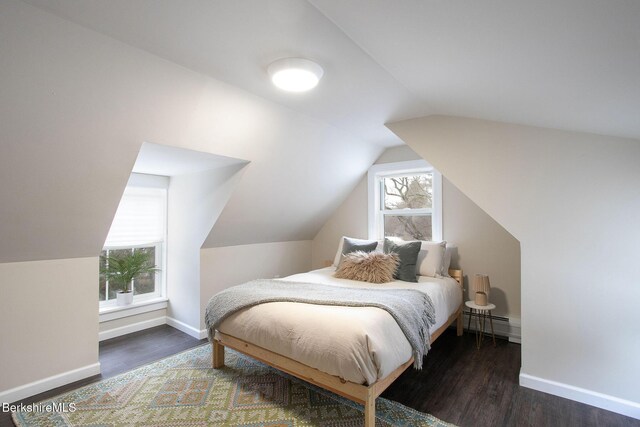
x=570 y=64
x=235 y=41
x=85 y=83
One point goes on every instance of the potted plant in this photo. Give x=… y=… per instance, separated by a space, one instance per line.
x=123 y=268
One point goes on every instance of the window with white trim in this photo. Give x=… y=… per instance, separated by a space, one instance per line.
x=139 y=227
x=405 y=201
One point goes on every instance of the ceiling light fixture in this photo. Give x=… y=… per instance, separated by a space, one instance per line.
x=295 y=74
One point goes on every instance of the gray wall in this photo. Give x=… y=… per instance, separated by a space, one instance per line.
x=483 y=245
x=76 y=108
x=572 y=200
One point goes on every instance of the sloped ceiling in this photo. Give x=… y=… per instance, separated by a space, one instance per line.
x=76 y=107
x=84 y=84
x=235 y=41
x=571 y=64
x=156 y=159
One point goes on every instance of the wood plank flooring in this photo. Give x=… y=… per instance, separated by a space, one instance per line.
x=469 y=387
x=458 y=383
x=122 y=354
x=126 y=352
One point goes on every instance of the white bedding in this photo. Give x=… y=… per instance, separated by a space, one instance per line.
x=359 y=344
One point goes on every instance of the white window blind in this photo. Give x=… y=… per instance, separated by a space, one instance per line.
x=140 y=218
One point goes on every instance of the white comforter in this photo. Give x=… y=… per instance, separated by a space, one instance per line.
x=359 y=344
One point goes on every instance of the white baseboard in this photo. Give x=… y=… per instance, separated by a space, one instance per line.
x=593 y=398
x=31 y=389
x=134 y=327
x=187 y=329
x=503 y=327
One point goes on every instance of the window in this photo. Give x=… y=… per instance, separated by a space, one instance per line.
x=143 y=285
x=139 y=227
x=405 y=201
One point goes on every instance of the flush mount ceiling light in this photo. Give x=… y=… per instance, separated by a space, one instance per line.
x=295 y=74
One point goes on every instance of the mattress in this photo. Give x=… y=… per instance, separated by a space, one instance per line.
x=358 y=344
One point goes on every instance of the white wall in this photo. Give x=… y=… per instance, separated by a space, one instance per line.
x=49 y=318
x=223 y=267
x=483 y=246
x=572 y=200
x=76 y=108
x=195 y=203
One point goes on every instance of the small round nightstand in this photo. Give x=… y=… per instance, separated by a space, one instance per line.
x=481 y=310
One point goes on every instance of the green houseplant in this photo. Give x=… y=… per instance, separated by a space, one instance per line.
x=123 y=268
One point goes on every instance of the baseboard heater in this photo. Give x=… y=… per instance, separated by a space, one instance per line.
x=506 y=327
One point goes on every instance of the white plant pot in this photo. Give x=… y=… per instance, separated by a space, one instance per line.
x=124 y=298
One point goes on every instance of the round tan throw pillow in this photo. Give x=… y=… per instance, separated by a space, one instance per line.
x=372 y=267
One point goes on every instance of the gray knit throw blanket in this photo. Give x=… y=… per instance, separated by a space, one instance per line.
x=411 y=309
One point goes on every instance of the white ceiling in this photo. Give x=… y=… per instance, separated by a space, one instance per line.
x=76 y=107
x=571 y=64
x=78 y=101
x=157 y=159
x=235 y=41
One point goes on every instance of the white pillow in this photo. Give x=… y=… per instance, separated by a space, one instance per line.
x=336 y=260
x=431 y=259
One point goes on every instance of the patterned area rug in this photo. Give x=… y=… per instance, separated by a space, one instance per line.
x=183 y=390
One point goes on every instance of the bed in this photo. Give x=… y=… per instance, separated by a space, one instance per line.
x=355 y=352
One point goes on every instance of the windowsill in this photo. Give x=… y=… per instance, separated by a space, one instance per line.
x=120 y=311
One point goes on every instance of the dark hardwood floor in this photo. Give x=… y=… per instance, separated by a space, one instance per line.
x=458 y=383
x=469 y=387
x=122 y=354
x=126 y=352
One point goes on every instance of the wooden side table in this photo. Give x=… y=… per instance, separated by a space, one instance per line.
x=481 y=311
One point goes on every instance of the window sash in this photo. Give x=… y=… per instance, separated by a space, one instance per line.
x=158 y=283
x=377 y=211
x=382 y=211
x=380 y=181
x=152 y=192
x=411 y=230
x=406 y=212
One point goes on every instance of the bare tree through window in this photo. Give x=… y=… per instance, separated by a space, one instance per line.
x=407 y=204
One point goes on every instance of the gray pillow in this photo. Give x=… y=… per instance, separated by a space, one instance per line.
x=351 y=245
x=408 y=253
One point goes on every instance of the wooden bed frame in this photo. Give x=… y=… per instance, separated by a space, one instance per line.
x=365 y=395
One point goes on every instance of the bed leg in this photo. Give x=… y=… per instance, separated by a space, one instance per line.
x=460 y=323
x=370 y=410
x=217 y=354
